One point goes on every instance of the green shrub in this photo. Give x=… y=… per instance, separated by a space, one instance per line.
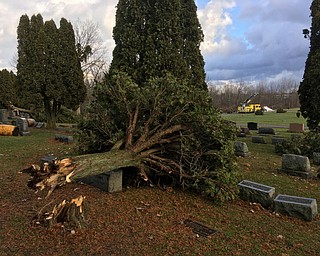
x=304 y=145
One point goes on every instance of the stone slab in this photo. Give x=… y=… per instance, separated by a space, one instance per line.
x=256 y=192
x=299 y=207
x=266 y=130
x=241 y=149
x=305 y=175
x=109 y=181
x=258 y=139
x=297 y=163
x=276 y=140
x=48 y=159
x=22 y=123
x=64 y=138
x=4 y=115
x=295 y=127
x=252 y=126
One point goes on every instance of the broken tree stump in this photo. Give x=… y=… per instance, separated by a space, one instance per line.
x=66 y=213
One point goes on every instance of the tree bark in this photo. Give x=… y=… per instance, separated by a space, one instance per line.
x=94 y=164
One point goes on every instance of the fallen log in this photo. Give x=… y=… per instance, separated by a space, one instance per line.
x=9 y=130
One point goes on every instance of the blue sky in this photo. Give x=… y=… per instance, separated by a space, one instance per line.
x=245 y=40
x=253 y=40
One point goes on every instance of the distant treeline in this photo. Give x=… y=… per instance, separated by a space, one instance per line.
x=275 y=94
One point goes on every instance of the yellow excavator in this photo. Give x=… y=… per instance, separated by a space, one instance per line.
x=247 y=107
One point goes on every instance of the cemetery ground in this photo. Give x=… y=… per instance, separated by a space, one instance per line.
x=149 y=220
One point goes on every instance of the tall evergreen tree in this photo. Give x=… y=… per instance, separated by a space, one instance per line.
x=153 y=112
x=48 y=67
x=72 y=76
x=309 y=90
x=156 y=37
x=8 y=92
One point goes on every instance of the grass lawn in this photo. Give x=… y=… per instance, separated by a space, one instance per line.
x=148 y=220
x=269 y=118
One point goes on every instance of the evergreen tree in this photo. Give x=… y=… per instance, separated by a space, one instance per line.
x=48 y=66
x=309 y=90
x=72 y=76
x=8 y=92
x=156 y=37
x=153 y=112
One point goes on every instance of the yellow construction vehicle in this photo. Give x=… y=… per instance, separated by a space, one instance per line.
x=245 y=107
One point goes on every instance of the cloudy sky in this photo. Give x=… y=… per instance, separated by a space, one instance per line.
x=245 y=40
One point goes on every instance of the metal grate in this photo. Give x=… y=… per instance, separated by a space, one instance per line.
x=199 y=228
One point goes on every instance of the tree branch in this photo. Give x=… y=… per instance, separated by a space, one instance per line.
x=156 y=138
x=132 y=126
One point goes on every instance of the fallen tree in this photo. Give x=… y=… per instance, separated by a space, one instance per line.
x=163 y=128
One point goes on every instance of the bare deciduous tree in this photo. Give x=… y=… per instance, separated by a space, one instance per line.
x=92 y=53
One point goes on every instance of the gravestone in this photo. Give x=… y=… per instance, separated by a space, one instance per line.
x=50 y=159
x=244 y=131
x=4 y=116
x=299 y=207
x=241 y=149
x=64 y=138
x=296 y=165
x=258 y=139
x=109 y=181
x=316 y=158
x=22 y=124
x=256 y=192
x=276 y=140
x=252 y=126
x=266 y=130
x=294 y=127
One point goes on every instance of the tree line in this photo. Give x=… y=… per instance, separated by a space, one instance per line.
x=282 y=93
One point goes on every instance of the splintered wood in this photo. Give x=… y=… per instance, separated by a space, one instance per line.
x=50 y=175
x=71 y=213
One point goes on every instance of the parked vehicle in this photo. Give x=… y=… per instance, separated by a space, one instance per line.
x=247 y=107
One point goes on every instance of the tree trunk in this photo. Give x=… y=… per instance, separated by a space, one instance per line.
x=94 y=164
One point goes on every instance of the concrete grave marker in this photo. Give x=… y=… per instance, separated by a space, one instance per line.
x=266 y=130
x=276 y=140
x=256 y=192
x=300 y=207
x=258 y=139
x=296 y=165
x=241 y=149
x=252 y=126
x=64 y=138
x=109 y=181
x=4 y=116
x=294 y=127
x=22 y=123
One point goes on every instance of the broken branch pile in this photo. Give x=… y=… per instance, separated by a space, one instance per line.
x=50 y=174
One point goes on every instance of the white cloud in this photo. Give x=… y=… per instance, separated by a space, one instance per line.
x=214 y=19
x=244 y=39
x=266 y=41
